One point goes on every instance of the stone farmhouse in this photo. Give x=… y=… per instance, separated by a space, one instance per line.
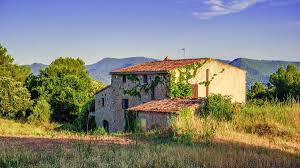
x=155 y=91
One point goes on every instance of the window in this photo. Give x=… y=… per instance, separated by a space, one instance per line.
x=124 y=78
x=145 y=79
x=102 y=101
x=125 y=103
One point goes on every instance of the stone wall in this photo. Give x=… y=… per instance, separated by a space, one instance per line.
x=155 y=120
x=104 y=112
x=118 y=87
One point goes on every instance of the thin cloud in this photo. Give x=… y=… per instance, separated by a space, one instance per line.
x=224 y=7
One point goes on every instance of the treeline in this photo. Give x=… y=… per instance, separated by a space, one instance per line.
x=284 y=84
x=59 y=93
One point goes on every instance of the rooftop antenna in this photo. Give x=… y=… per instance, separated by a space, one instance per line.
x=183 y=49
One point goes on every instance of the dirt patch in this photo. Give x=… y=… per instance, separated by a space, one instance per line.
x=41 y=143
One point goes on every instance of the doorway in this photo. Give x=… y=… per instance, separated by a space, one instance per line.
x=105 y=125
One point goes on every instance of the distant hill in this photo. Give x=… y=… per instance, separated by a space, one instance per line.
x=35 y=67
x=258 y=70
x=100 y=70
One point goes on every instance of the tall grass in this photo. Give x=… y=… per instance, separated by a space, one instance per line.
x=269 y=118
x=270 y=124
x=85 y=155
x=21 y=128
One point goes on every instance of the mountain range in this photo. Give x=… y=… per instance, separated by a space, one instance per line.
x=258 y=70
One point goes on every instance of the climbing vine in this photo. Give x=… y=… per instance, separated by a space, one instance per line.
x=207 y=83
x=179 y=87
x=182 y=88
x=139 y=87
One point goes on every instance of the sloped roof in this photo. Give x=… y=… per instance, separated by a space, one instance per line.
x=103 y=89
x=159 y=66
x=174 y=105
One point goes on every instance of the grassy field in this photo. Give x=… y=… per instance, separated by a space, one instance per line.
x=91 y=154
x=259 y=135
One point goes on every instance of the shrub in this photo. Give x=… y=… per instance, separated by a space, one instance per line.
x=98 y=131
x=268 y=118
x=41 y=112
x=218 y=107
x=187 y=127
x=83 y=121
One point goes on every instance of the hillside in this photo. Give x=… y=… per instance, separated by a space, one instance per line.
x=101 y=69
x=35 y=67
x=258 y=70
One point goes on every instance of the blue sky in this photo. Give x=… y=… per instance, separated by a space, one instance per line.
x=42 y=30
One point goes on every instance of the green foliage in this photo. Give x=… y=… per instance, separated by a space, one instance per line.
x=139 y=87
x=131 y=121
x=98 y=131
x=257 y=91
x=268 y=118
x=14 y=98
x=10 y=70
x=41 y=112
x=95 y=87
x=33 y=83
x=218 y=107
x=82 y=120
x=207 y=83
x=65 y=83
x=286 y=82
x=179 y=89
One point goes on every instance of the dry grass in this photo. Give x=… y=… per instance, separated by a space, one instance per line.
x=274 y=126
x=257 y=136
x=79 y=154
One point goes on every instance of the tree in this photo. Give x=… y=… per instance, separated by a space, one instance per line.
x=33 y=83
x=95 y=87
x=286 y=82
x=8 y=69
x=14 y=98
x=41 y=112
x=65 y=83
x=257 y=91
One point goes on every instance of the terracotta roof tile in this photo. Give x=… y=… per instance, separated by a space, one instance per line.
x=174 y=105
x=159 y=66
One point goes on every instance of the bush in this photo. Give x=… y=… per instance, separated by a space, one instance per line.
x=82 y=120
x=41 y=112
x=218 y=107
x=98 y=131
x=186 y=127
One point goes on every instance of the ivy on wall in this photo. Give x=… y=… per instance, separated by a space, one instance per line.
x=139 y=87
x=207 y=83
x=182 y=88
x=179 y=87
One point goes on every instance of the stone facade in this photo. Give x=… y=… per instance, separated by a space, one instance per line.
x=228 y=80
x=154 y=120
x=114 y=112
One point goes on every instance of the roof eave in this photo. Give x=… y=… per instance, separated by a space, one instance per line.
x=138 y=73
